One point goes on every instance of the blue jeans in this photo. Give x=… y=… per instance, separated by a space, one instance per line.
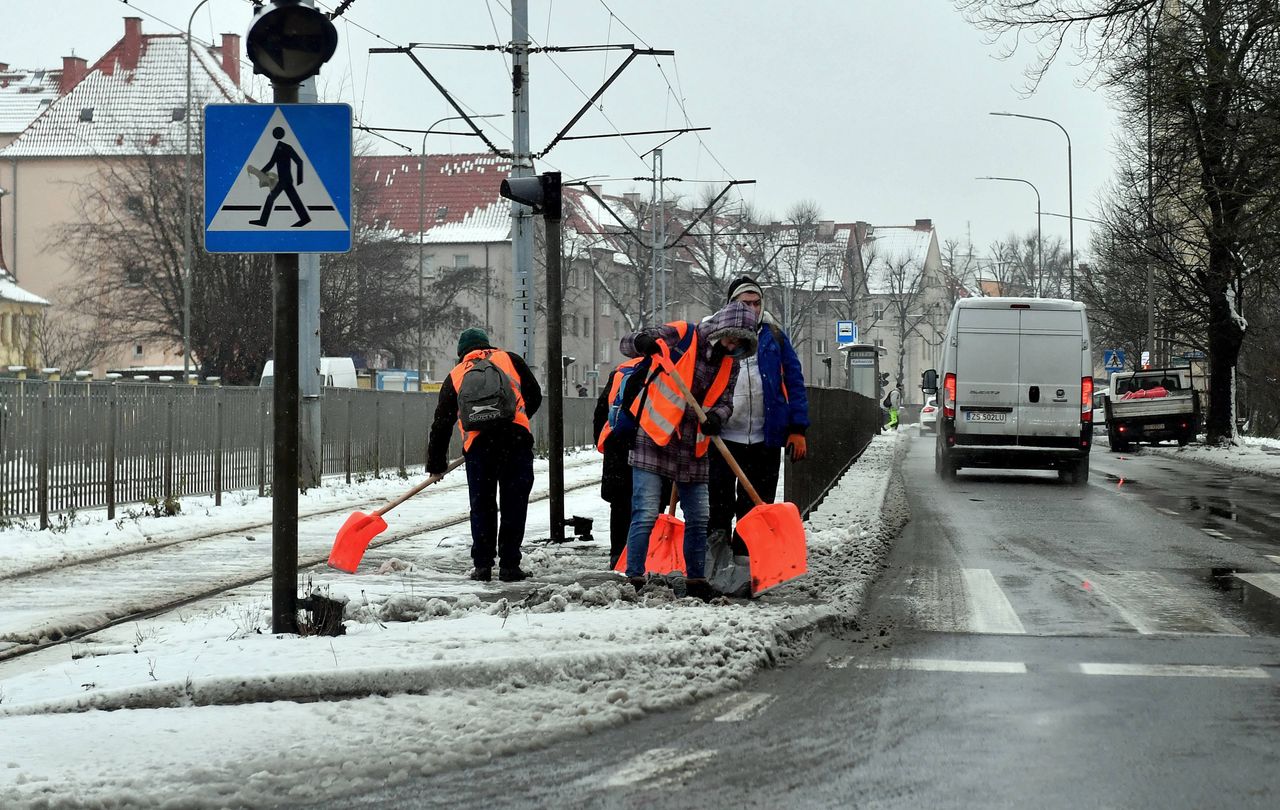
x=647 y=500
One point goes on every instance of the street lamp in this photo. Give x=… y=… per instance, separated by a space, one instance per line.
x=186 y=220
x=1039 y=244
x=1071 y=220
x=422 y=163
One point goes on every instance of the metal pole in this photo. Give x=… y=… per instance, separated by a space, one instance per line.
x=284 y=473
x=523 y=304
x=555 y=364
x=653 y=242
x=1071 y=214
x=186 y=219
x=1039 y=249
x=310 y=427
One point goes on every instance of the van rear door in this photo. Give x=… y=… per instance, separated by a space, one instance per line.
x=987 y=360
x=1050 y=354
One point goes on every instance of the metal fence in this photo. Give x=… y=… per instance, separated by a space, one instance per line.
x=841 y=425
x=69 y=445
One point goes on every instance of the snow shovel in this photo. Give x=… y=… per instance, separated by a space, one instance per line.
x=773 y=532
x=359 y=529
x=666 y=544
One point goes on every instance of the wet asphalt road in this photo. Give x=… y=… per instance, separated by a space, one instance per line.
x=1029 y=644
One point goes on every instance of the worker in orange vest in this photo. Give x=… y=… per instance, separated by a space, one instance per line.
x=670 y=443
x=491 y=395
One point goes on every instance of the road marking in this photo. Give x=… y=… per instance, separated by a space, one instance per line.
x=1173 y=671
x=659 y=767
x=936 y=665
x=1152 y=605
x=1173 y=512
x=1020 y=668
x=989 y=608
x=1216 y=534
x=735 y=708
x=1264 y=582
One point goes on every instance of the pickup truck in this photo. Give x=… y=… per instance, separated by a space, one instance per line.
x=1152 y=405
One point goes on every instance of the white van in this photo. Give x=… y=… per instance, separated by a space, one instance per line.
x=1016 y=380
x=335 y=372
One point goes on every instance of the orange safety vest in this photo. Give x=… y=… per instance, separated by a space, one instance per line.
x=664 y=407
x=614 y=390
x=503 y=361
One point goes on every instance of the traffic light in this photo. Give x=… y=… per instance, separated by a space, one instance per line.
x=288 y=42
x=884 y=379
x=541 y=193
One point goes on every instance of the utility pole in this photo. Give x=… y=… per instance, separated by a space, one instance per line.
x=309 y=427
x=522 y=303
x=655 y=244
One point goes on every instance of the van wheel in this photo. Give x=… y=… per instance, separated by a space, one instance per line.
x=1080 y=473
x=944 y=466
x=1183 y=441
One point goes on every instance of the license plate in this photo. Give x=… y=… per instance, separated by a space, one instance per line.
x=1157 y=426
x=984 y=416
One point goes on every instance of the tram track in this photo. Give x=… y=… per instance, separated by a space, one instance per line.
x=39 y=635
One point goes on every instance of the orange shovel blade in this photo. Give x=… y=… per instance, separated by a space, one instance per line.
x=353 y=538
x=621 y=565
x=666 y=545
x=774 y=534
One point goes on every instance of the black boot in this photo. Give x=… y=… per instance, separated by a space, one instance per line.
x=482 y=574
x=512 y=575
x=699 y=589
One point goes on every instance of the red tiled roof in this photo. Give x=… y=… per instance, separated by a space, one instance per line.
x=460 y=192
x=132 y=98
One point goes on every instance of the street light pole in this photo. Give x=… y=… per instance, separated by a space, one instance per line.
x=1071 y=219
x=1039 y=242
x=422 y=164
x=186 y=218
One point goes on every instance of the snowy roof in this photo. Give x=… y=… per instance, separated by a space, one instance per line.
x=460 y=196
x=10 y=291
x=129 y=103
x=892 y=249
x=24 y=94
x=820 y=263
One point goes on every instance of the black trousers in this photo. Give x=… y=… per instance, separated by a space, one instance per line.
x=499 y=478
x=728 y=498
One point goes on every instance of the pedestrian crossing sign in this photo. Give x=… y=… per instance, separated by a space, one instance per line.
x=1113 y=359
x=277 y=178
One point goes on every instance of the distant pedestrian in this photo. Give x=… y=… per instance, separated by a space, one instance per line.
x=582 y=390
x=491 y=395
x=894 y=402
x=670 y=443
x=770 y=411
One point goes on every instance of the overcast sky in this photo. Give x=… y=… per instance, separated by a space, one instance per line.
x=875 y=109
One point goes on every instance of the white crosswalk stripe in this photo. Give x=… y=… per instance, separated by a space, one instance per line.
x=971 y=600
x=735 y=708
x=657 y=767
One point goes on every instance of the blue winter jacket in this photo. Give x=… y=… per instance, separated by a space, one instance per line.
x=780 y=366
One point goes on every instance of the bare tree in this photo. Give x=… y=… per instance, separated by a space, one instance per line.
x=1199 y=79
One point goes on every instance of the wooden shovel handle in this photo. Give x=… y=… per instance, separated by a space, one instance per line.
x=716 y=440
x=453 y=465
x=671 y=507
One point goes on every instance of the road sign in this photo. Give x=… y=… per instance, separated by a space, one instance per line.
x=1113 y=360
x=846 y=332
x=277 y=178
x=1146 y=359
x=1193 y=354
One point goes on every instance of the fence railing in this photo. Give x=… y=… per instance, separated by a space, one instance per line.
x=69 y=445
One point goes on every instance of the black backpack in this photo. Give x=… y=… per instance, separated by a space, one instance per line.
x=485 y=396
x=888 y=400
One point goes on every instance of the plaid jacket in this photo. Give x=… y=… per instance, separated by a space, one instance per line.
x=678 y=461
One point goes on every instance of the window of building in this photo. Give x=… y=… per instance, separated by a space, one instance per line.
x=820 y=346
x=137 y=350
x=461 y=260
x=429 y=266
x=86 y=114
x=133 y=204
x=177 y=114
x=586 y=327
x=441 y=213
x=133 y=275
x=877 y=311
x=573 y=325
x=880 y=342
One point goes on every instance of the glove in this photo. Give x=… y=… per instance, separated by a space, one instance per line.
x=712 y=426
x=797 y=449
x=646 y=344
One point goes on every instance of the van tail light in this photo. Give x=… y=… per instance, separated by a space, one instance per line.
x=1086 y=399
x=949 y=396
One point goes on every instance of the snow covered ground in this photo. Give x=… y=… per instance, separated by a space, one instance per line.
x=194 y=707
